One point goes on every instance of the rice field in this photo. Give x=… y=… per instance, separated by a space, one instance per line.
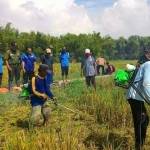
x=102 y=118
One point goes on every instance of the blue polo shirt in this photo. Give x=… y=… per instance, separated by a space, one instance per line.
x=1 y=64
x=64 y=59
x=29 y=60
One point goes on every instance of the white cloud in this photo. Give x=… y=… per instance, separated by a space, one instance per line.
x=49 y=16
x=125 y=18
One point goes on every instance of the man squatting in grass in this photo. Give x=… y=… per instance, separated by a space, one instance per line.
x=139 y=113
x=64 y=61
x=1 y=69
x=88 y=68
x=39 y=98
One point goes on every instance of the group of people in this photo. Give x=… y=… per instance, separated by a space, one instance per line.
x=15 y=62
x=90 y=67
x=38 y=85
x=104 y=67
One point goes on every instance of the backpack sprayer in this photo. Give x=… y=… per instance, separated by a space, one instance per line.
x=125 y=79
x=25 y=93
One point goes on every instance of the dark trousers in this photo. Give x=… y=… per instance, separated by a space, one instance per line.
x=64 y=71
x=27 y=76
x=1 y=75
x=141 y=120
x=14 y=73
x=90 y=81
x=99 y=68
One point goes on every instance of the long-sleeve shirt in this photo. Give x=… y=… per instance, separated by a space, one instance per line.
x=88 y=66
x=142 y=83
x=42 y=87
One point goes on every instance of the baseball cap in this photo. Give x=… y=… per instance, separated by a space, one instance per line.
x=87 y=51
x=43 y=67
x=48 y=50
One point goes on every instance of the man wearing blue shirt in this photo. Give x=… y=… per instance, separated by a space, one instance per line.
x=1 y=69
x=64 y=61
x=28 y=65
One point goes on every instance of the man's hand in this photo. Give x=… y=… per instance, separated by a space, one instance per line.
x=24 y=71
x=9 y=68
x=44 y=96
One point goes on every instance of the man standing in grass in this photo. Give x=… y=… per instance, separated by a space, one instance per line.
x=88 y=68
x=28 y=65
x=13 y=61
x=47 y=59
x=1 y=69
x=136 y=98
x=39 y=97
x=64 y=61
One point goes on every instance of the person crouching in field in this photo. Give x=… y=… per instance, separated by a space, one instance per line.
x=109 y=69
x=136 y=101
x=1 y=69
x=88 y=68
x=39 y=99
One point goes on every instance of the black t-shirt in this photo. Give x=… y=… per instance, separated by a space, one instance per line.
x=48 y=60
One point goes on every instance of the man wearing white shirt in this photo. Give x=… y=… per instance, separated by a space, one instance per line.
x=138 y=93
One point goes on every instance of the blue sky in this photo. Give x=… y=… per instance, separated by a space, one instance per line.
x=95 y=3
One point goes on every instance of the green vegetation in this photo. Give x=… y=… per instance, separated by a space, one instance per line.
x=108 y=47
x=102 y=120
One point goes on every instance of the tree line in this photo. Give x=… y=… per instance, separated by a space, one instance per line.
x=121 y=48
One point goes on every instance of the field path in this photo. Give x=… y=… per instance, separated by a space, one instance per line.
x=60 y=82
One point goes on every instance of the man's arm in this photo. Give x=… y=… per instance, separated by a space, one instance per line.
x=23 y=66
x=6 y=60
x=8 y=66
x=44 y=96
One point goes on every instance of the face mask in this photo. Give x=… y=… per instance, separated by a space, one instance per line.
x=48 y=55
x=63 y=51
x=87 y=55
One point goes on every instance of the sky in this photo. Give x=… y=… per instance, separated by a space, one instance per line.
x=109 y=17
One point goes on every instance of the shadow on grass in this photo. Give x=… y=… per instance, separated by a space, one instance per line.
x=24 y=124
